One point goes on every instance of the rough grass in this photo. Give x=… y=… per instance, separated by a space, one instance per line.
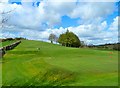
x=54 y=65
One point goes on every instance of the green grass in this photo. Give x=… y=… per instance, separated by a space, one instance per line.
x=7 y=43
x=56 y=65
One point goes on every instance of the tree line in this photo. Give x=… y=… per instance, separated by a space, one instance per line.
x=10 y=39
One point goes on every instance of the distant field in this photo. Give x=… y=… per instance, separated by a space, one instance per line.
x=40 y=64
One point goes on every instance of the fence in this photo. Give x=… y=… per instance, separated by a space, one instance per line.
x=8 y=47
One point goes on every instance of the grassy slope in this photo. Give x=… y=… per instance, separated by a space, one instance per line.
x=7 y=43
x=57 y=65
x=1 y=45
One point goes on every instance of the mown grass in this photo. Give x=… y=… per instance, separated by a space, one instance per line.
x=54 y=65
x=2 y=44
x=7 y=43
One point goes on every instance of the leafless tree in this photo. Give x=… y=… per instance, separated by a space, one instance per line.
x=52 y=37
x=5 y=16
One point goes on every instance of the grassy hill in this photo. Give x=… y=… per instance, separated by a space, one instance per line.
x=7 y=43
x=56 y=65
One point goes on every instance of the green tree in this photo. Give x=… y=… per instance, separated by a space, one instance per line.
x=52 y=37
x=62 y=40
x=69 y=39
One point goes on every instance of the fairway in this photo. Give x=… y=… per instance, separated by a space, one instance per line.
x=53 y=65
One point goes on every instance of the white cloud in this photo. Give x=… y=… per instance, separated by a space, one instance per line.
x=50 y=13
x=102 y=26
x=114 y=25
x=92 y=10
x=38 y=22
x=6 y=35
x=87 y=33
x=3 y=1
x=98 y=0
x=64 y=0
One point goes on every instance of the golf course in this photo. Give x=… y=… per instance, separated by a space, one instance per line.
x=36 y=63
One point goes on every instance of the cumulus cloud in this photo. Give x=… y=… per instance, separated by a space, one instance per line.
x=92 y=10
x=38 y=21
x=88 y=33
x=114 y=25
x=50 y=13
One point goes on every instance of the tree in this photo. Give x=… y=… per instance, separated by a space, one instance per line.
x=62 y=40
x=10 y=39
x=69 y=39
x=52 y=37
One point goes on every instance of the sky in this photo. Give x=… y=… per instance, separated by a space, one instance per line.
x=92 y=21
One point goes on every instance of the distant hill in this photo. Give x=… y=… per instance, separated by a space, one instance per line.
x=110 y=46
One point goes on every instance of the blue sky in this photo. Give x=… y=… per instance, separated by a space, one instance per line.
x=67 y=22
x=92 y=22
